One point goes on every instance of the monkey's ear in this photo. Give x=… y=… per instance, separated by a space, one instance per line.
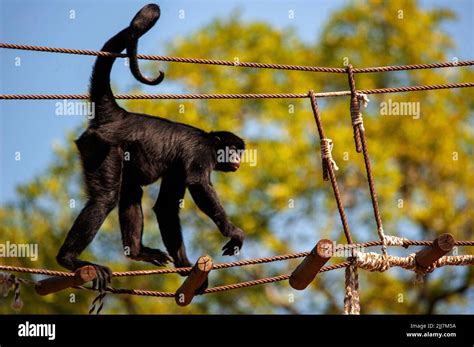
x=215 y=137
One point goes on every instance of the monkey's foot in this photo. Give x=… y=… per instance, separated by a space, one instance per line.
x=179 y=263
x=161 y=262
x=104 y=277
x=157 y=257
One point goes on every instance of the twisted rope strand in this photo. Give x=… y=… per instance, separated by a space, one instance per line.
x=361 y=145
x=214 y=289
x=328 y=165
x=377 y=262
x=351 y=297
x=369 y=263
x=306 y=68
x=218 y=266
x=402 y=89
x=406 y=243
x=177 y=59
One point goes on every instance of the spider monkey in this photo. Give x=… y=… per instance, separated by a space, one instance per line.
x=181 y=155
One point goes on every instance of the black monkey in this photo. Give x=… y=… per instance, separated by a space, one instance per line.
x=182 y=155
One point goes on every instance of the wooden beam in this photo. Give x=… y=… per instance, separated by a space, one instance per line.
x=307 y=270
x=196 y=278
x=442 y=245
x=55 y=284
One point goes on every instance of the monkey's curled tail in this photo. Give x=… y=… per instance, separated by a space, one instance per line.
x=107 y=109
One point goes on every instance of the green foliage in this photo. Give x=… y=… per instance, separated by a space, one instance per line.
x=412 y=161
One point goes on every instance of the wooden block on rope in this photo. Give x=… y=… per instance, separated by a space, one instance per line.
x=55 y=284
x=307 y=270
x=442 y=245
x=196 y=278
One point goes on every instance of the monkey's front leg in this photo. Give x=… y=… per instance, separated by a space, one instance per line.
x=206 y=199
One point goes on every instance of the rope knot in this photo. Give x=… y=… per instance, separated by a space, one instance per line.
x=372 y=261
x=356 y=116
x=326 y=157
x=395 y=241
x=364 y=99
x=7 y=283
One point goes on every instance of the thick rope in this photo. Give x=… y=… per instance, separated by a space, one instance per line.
x=214 y=289
x=368 y=261
x=376 y=262
x=218 y=266
x=359 y=261
x=351 y=298
x=237 y=96
x=237 y=63
x=391 y=241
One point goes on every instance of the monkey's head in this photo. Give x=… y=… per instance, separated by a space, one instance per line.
x=229 y=150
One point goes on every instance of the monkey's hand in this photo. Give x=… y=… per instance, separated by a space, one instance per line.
x=236 y=240
x=104 y=277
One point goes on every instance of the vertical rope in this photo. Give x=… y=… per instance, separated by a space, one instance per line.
x=329 y=165
x=361 y=146
x=351 y=298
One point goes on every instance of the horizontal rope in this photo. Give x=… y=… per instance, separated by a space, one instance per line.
x=377 y=262
x=238 y=96
x=267 y=280
x=369 y=263
x=159 y=271
x=412 y=67
x=218 y=266
x=406 y=243
x=306 y=68
x=214 y=289
x=155 y=96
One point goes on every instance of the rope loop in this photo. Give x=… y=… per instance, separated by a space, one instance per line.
x=326 y=157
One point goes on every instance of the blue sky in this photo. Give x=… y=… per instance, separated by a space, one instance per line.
x=32 y=127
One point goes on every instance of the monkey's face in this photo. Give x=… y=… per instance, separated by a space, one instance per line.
x=229 y=151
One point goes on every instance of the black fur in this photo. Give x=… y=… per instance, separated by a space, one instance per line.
x=182 y=155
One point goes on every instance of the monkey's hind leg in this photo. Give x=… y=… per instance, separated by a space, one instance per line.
x=103 y=172
x=131 y=225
